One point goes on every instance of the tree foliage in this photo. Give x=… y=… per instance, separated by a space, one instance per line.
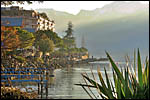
x=69 y=40
x=82 y=49
x=46 y=45
x=69 y=31
x=51 y=35
x=15 y=37
x=9 y=38
x=26 y=38
x=7 y=3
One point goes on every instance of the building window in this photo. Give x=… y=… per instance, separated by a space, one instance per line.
x=33 y=14
x=38 y=23
x=44 y=22
x=34 y=26
x=48 y=23
x=28 y=26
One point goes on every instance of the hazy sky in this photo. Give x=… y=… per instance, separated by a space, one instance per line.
x=72 y=7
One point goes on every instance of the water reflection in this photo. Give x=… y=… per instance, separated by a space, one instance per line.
x=62 y=85
x=65 y=79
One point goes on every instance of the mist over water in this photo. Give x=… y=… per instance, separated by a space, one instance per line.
x=62 y=85
x=118 y=27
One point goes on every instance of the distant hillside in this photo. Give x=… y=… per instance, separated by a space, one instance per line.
x=118 y=27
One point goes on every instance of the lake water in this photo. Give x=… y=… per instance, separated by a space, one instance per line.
x=63 y=87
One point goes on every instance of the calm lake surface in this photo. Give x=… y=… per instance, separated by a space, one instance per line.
x=63 y=87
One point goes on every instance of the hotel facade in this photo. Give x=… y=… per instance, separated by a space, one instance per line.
x=29 y=20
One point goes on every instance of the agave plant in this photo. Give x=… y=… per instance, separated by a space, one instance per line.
x=127 y=85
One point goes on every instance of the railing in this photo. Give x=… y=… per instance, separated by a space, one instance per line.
x=22 y=76
x=22 y=73
x=41 y=77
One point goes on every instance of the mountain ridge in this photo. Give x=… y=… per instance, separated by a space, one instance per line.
x=137 y=4
x=107 y=29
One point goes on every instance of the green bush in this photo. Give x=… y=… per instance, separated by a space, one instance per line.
x=126 y=85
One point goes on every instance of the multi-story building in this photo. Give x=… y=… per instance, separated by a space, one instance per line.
x=44 y=24
x=29 y=20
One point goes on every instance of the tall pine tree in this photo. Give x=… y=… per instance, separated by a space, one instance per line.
x=69 y=39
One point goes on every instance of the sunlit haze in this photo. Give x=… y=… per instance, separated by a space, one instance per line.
x=72 y=7
x=53 y=49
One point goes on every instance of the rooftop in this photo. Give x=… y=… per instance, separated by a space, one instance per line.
x=12 y=8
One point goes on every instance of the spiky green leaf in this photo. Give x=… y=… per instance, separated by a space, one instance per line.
x=107 y=90
x=118 y=90
x=127 y=91
x=135 y=62
x=140 y=78
x=107 y=80
x=119 y=74
x=97 y=86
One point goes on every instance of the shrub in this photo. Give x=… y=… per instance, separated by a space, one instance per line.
x=15 y=93
x=126 y=85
